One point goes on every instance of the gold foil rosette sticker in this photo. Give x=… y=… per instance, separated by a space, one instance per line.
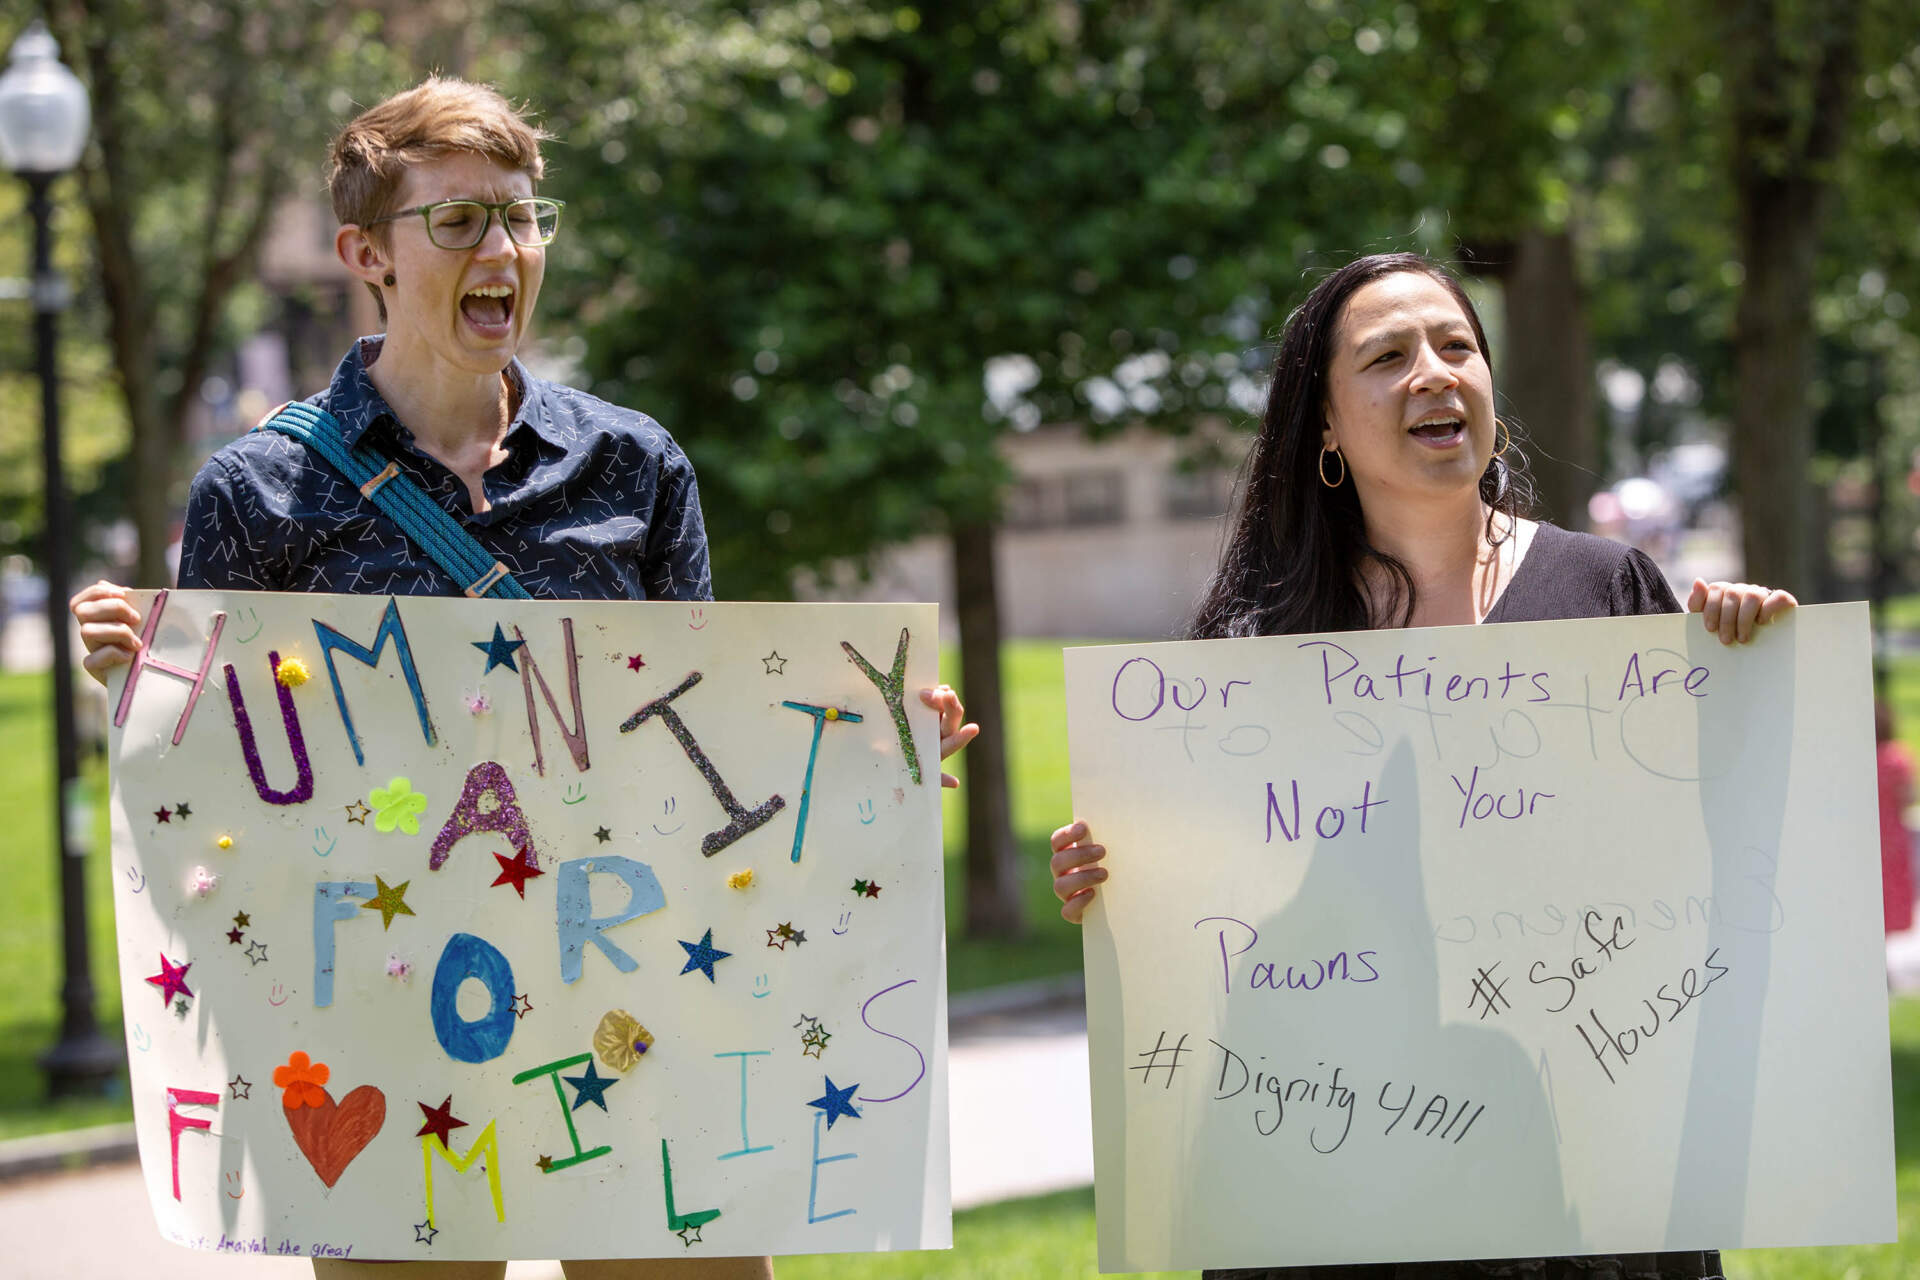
x=620 y=1040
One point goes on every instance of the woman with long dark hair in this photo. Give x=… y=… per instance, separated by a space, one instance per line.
x=1382 y=491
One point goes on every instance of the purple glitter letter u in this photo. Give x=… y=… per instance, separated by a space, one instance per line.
x=303 y=788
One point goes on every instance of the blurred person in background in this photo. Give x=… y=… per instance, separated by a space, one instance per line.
x=1893 y=765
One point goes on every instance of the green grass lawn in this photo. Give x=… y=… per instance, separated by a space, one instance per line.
x=1903 y=613
x=30 y=942
x=1036 y=732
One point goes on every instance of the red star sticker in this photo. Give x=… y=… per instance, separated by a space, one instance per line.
x=873 y=890
x=163 y=814
x=515 y=871
x=636 y=662
x=440 y=1122
x=235 y=936
x=172 y=980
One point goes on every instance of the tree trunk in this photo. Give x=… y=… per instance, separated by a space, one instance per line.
x=247 y=178
x=153 y=507
x=1773 y=366
x=1544 y=374
x=993 y=908
x=1791 y=92
x=1880 y=571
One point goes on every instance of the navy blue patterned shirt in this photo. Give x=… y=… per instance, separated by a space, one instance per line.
x=593 y=502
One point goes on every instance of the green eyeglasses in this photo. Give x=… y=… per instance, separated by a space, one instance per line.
x=462 y=224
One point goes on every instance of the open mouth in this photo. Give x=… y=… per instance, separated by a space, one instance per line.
x=489 y=309
x=1440 y=432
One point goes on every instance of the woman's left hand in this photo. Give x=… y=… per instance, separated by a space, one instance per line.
x=1735 y=610
x=953 y=734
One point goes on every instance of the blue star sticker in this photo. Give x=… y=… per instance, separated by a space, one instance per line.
x=499 y=650
x=701 y=955
x=591 y=1087
x=835 y=1102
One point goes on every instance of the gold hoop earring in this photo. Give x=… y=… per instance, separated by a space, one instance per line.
x=1322 y=467
x=1502 y=428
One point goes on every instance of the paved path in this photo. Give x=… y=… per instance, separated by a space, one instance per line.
x=1018 y=1083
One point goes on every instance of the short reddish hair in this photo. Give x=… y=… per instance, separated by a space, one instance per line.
x=368 y=161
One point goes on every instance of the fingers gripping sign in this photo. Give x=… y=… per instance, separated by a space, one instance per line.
x=1735 y=611
x=1075 y=873
x=954 y=733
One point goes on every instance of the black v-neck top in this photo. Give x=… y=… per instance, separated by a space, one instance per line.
x=1563 y=575
x=1576 y=575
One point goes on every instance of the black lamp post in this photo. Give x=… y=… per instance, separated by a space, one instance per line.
x=43 y=127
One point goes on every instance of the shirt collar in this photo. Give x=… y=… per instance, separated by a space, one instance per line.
x=356 y=404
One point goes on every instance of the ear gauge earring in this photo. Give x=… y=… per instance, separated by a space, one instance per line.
x=388 y=280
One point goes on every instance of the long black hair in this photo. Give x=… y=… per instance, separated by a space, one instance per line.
x=1295 y=548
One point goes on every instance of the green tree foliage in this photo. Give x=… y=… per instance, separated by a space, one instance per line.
x=801 y=234
x=207 y=113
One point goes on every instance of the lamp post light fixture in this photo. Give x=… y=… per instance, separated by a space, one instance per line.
x=44 y=119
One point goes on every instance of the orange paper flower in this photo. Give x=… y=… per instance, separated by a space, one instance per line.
x=302 y=1080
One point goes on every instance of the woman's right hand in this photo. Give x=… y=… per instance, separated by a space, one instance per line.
x=1075 y=874
x=109 y=627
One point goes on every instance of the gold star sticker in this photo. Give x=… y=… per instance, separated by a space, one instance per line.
x=241 y=919
x=545 y=1164
x=357 y=812
x=390 y=901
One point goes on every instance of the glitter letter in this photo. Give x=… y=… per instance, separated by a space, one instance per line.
x=744 y=819
x=303 y=785
x=484 y=780
x=892 y=689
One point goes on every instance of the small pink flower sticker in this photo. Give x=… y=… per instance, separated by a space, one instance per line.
x=303 y=1081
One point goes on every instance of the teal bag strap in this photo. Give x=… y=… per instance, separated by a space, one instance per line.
x=382 y=483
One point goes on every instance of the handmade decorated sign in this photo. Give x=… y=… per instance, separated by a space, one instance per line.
x=1480 y=942
x=480 y=929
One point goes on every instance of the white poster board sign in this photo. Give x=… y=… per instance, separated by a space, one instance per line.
x=1546 y=938
x=480 y=929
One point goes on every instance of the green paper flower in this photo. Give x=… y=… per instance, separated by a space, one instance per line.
x=398 y=805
